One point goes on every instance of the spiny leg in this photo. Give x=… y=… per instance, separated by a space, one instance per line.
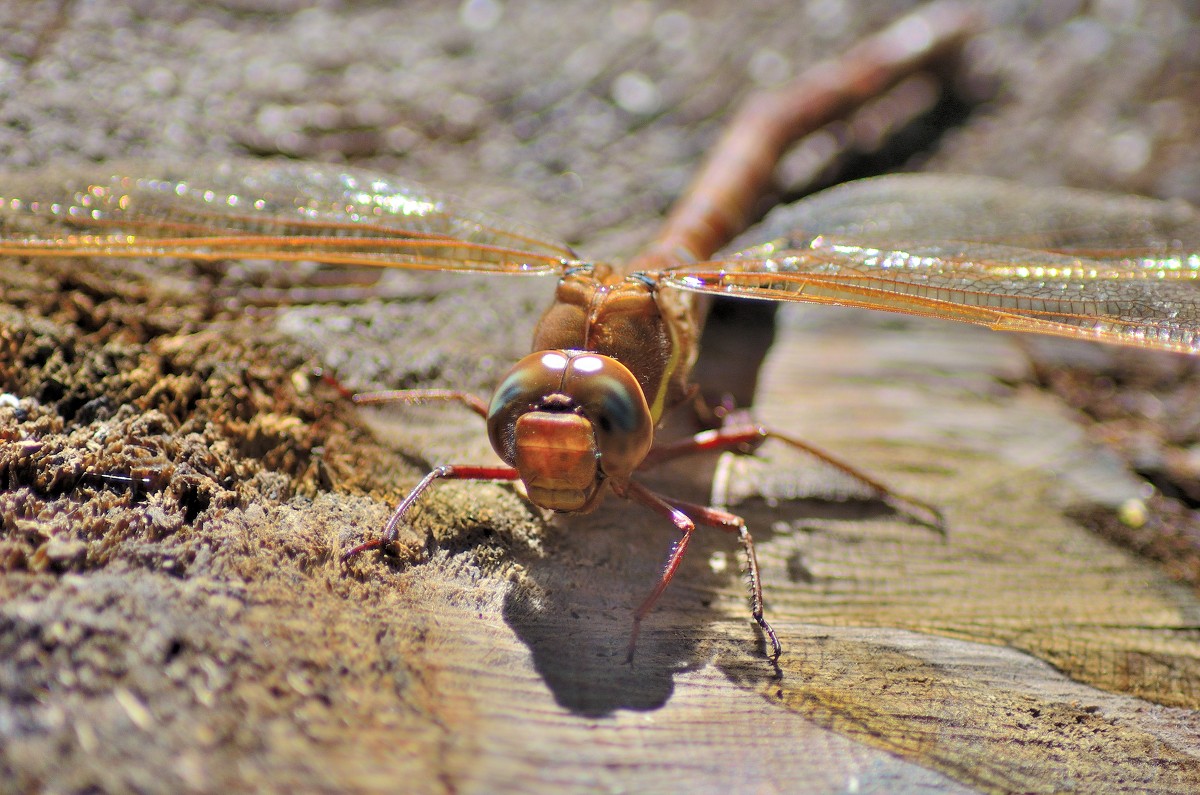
x=473 y=402
x=747 y=438
x=410 y=396
x=711 y=516
x=392 y=528
x=684 y=516
x=921 y=512
x=457 y=472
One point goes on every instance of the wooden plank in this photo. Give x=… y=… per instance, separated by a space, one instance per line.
x=195 y=631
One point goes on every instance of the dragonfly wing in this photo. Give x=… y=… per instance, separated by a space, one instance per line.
x=935 y=207
x=268 y=210
x=1052 y=264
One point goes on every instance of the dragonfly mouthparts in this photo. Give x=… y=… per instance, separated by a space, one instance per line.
x=558 y=402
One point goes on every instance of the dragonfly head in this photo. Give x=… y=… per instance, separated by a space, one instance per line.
x=567 y=421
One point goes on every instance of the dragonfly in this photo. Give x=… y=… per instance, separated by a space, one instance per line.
x=576 y=419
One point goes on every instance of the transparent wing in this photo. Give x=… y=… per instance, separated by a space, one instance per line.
x=1073 y=263
x=267 y=210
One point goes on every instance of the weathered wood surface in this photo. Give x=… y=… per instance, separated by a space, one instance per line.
x=200 y=634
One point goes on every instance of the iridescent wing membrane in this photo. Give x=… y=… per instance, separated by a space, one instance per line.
x=1050 y=260
x=1119 y=269
x=277 y=211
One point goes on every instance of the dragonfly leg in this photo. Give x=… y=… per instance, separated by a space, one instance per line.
x=748 y=438
x=473 y=402
x=684 y=516
x=392 y=528
x=919 y=511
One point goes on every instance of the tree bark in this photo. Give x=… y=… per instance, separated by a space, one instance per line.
x=178 y=488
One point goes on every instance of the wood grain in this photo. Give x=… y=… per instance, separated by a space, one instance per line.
x=195 y=632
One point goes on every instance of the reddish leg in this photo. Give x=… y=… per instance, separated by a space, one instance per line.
x=747 y=439
x=680 y=513
x=473 y=402
x=391 y=529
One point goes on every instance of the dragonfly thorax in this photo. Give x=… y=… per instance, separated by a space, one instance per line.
x=651 y=332
x=569 y=420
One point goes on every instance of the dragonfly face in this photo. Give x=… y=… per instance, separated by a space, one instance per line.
x=569 y=420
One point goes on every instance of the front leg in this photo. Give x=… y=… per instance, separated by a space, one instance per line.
x=684 y=516
x=446 y=472
x=392 y=529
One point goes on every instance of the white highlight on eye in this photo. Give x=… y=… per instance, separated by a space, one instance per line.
x=589 y=364
x=554 y=361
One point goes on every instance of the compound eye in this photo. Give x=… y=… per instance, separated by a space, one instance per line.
x=612 y=400
x=524 y=387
